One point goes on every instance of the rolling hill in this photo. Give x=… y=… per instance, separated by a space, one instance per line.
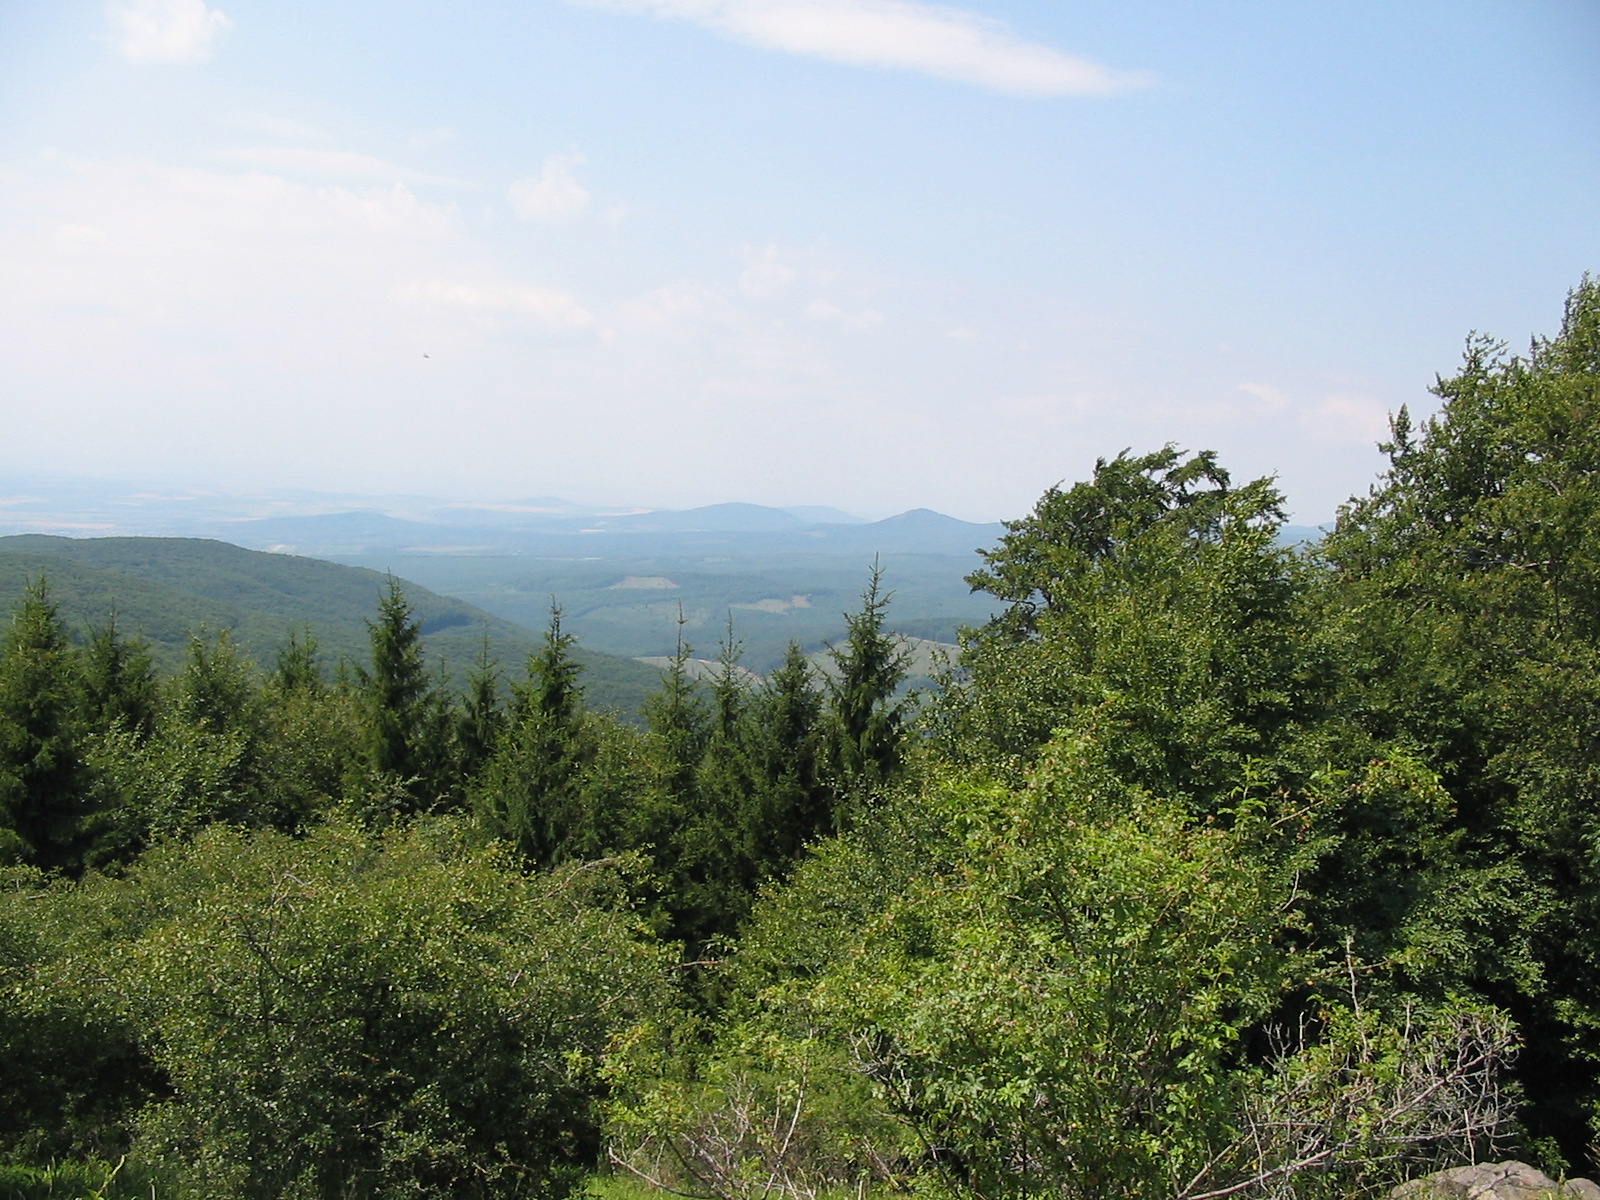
x=163 y=589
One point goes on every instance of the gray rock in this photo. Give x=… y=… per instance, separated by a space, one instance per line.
x=1494 y=1181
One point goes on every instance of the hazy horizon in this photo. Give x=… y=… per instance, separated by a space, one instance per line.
x=35 y=490
x=871 y=254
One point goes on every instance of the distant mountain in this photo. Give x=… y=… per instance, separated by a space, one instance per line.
x=718 y=530
x=819 y=514
x=352 y=531
x=165 y=588
x=919 y=531
x=334 y=525
x=713 y=518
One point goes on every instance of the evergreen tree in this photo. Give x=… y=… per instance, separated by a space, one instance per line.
x=118 y=681
x=676 y=719
x=532 y=790
x=718 y=840
x=481 y=717
x=312 y=735
x=44 y=798
x=866 y=716
x=217 y=690
x=667 y=824
x=207 y=757
x=298 y=669
x=792 y=801
x=406 y=712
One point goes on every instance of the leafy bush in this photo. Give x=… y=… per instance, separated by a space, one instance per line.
x=366 y=1015
x=764 y=1113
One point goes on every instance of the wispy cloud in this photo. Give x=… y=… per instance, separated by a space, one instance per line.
x=1351 y=418
x=821 y=310
x=268 y=125
x=1271 y=399
x=902 y=35
x=556 y=195
x=767 y=273
x=1343 y=418
x=557 y=311
x=166 y=31
x=434 y=135
x=326 y=164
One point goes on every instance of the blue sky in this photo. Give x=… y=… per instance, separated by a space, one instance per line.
x=868 y=253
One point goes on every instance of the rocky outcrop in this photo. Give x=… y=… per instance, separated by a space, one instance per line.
x=1495 y=1181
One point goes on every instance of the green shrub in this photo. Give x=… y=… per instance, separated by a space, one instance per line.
x=360 y=1015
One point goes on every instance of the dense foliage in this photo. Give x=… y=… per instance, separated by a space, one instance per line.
x=1214 y=868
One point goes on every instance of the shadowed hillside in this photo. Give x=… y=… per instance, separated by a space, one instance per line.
x=164 y=588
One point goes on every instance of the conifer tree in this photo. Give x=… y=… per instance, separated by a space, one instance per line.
x=677 y=721
x=866 y=717
x=216 y=691
x=118 y=681
x=717 y=842
x=792 y=800
x=481 y=717
x=677 y=728
x=531 y=791
x=44 y=804
x=298 y=670
x=406 y=717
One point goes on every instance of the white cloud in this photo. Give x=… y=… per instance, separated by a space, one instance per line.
x=555 y=196
x=767 y=274
x=270 y=126
x=1345 y=418
x=434 y=135
x=204 y=292
x=903 y=35
x=674 y=307
x=556 y=311
x=821 y=310
x=1351 y=419
x=326 y=164
x=1271 y=399
x=166 y=31
x=80 y=234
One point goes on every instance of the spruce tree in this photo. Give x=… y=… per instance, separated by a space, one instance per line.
x=866 y=716
x=406 y=714
x=44 y=800
x=481 y=717
x=297 y=668
x=217 y=691
x=792 y=800
x=677 y=728
x=718 y=839
x=531 y=791
x=118 y=682
x=677 y=722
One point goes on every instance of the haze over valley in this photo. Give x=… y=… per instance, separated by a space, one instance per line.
x=621 y=577
x=799 y=600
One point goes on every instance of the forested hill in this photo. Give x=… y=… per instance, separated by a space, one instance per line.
x=1217 y=869
x=163 y=589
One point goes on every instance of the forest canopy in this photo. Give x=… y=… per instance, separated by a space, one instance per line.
x=1213 y=867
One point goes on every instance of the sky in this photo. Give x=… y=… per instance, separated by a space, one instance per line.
x=875 y=254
